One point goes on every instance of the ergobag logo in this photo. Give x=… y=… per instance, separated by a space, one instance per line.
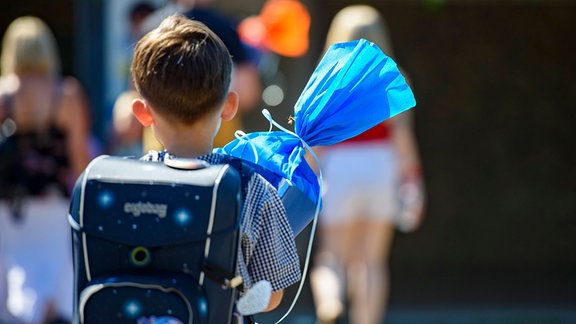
x=140 y=208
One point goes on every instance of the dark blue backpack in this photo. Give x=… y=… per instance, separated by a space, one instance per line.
x=154 y=239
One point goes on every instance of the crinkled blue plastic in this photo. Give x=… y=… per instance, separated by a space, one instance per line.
x=354 y=87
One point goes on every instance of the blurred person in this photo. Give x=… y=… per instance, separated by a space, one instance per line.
x=44 y=146
x=363 y=177
x=137 y=15
x=246 y=80
x=281 y=29
x=127 y=133
x=245 y=75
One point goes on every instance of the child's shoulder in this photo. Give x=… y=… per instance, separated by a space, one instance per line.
x=212 y=158
x=255 y=185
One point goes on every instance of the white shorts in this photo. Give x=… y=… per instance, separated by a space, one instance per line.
x=360 y=181
x=36 y=254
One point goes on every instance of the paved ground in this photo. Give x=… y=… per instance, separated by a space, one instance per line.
x=447 y=311
x=518 y=297
x=472 y=315
x=555 y=306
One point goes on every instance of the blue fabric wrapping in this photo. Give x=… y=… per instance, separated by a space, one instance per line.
x=354 y=87
x=279 y=156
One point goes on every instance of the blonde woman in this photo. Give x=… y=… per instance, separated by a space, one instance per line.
x=43 y=148
x=362 y=180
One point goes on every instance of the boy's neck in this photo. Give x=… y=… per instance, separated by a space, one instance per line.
x=186 y=152
x=189 y=142
x=188 y=145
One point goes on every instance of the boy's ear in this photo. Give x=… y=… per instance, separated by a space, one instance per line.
x=142 y=112
x=230 y=106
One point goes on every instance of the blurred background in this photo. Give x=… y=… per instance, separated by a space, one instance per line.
x=495 y=84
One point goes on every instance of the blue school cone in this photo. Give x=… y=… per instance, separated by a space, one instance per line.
x=354 y=87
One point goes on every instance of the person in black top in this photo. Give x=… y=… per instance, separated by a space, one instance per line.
x=44 y=120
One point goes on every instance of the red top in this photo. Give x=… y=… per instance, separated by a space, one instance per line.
x=377 y=133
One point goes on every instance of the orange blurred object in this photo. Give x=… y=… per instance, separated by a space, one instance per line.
x=281 y=27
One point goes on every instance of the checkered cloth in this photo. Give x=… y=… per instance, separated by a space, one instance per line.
x=267 y=246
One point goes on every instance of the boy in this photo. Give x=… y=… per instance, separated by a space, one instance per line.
x=182 y=72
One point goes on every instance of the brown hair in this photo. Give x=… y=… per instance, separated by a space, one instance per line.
x=29 y=46
x=182 y=69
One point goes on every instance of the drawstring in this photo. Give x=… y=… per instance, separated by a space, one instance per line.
x=268 y=116
x=240 y=136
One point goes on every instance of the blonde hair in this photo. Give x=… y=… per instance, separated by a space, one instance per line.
x=29 y=46
x=360 y=21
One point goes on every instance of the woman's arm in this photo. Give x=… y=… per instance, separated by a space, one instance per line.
x=75 y=120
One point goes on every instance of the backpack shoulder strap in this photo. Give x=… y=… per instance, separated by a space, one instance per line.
x=246 y=172
x=229 y=280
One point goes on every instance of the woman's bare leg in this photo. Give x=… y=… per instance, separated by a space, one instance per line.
x=328 y=278
x=368 y=274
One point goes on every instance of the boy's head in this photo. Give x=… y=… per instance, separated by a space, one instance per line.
x=182 y=69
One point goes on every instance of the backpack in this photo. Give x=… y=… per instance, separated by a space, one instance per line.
x=156 y=239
